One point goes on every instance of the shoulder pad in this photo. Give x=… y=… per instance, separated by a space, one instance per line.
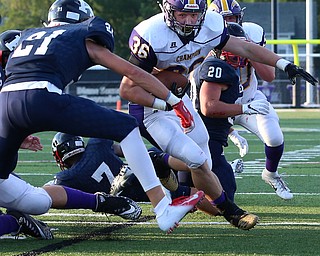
x=155 y=32
x=219 y=70
x=255 y=32
x=101 y=32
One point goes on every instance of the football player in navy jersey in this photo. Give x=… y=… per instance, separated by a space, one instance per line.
x=18 y=221
x=45 y=61
x=91 y=167
x=266 y=127
x=97 y=166
x=215 y=87
x=15 y=222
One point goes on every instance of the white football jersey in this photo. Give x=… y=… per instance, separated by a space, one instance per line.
x=152 y=42
x=248 y=78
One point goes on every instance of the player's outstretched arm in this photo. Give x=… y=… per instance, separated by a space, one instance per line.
x=261 y=54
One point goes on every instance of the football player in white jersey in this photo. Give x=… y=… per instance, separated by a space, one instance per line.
x=178 y=39
x=265 y=127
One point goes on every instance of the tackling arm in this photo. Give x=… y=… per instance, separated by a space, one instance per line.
x=262 y=55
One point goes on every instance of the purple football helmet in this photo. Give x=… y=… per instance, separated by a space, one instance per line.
x=192 y=6
x=228 y=8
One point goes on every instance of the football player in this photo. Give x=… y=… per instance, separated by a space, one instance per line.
x=45 y=61
x=214 y=89
x=97 y=166
x=265 y=127
x=179 y=39
x=15 y=222
x=19 y=222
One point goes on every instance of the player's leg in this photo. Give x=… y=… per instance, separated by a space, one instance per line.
x=274 y=146
x=168 y=214
x=222 y=169
x=170 y=137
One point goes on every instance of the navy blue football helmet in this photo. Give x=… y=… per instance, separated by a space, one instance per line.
x=69 y=11
x=65 y=146
x=193 y=6
x=8 y=42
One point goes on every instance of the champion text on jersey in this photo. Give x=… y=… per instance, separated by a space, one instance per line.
x=188 y=56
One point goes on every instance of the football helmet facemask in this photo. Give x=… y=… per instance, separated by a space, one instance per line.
x=228 y=8
x=8 y=42
x=69 y=11
x=235 y=61
x=168 y=7
x=65 y=146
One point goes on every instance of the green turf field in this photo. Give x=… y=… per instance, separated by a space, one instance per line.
x=286 y=227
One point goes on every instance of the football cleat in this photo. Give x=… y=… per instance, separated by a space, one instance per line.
x=119 y=182
x=237 y=166
x=236 y=216
x=121 y=206
x=169 y=219
x=277 y=183
x=244 y=221
x=170 y=182
x=30 y=226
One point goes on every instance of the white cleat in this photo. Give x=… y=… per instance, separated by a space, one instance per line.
x=277 y=183
x=169 y=219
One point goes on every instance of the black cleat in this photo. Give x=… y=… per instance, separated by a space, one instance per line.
x=30 y=226
x=236 y=216
x=118 y=205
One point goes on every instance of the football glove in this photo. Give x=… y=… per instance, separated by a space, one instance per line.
x=240 y=142
x=293 y=71
x=185 y=116
x=256 y=107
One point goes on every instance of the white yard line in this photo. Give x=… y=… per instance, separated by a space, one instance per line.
x=186 y=223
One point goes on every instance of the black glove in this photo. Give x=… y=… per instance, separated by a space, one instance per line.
x=179 y=91
x=293 y=71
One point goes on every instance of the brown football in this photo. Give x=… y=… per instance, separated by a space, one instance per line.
x=169 y=77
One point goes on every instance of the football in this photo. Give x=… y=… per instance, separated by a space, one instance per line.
x=170 y=77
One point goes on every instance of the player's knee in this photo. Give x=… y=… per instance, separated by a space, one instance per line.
x=274 y=141
x=35 y=201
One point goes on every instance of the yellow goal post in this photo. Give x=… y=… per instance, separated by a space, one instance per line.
x=294 y=43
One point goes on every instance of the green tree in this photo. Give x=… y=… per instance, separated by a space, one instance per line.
x=122 y=15
x=22 y=14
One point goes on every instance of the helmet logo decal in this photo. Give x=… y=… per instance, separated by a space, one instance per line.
x=84 y=7
x=13 y=44
x=73 y=15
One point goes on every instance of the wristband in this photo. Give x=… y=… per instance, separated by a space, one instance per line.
x=282 y=63
x=159 y=104
x=172 y=99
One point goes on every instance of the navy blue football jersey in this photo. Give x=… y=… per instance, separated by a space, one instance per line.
x=96 y=169
x=2 y=77
x=218 y=71
x=52 y=53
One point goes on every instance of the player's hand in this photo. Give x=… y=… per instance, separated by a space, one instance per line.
x=185 y=116
x=293 y=71
x=256 y=107
x=240 y=142
x=32 y=143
